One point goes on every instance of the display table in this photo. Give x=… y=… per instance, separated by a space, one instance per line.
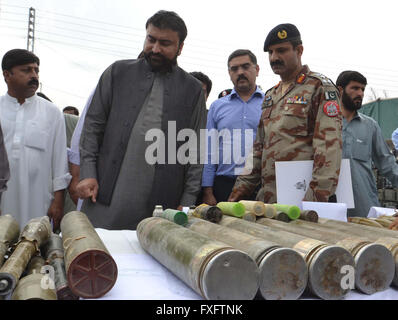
x=141 y=277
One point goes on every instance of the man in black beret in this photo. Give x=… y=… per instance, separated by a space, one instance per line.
x=301 y=120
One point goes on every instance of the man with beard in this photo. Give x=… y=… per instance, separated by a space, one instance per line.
x=363 y=143
x=301 y=120
x=239 y=112
x=35 y=139
x=119 y=185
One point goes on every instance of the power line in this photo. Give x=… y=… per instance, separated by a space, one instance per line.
x=14 y=13
x=13 y=6
x=86 y=40
x=94 y=49
x=13 y=20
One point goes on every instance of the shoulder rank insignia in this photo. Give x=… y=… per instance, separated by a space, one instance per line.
x=331 y=109
x=296 y=100
x=331 y=95
x=301 y=78
x=325 y=80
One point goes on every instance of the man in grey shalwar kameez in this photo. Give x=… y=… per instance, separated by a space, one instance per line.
x=119 y=185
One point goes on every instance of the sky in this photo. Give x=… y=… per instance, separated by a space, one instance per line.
x=76 y=40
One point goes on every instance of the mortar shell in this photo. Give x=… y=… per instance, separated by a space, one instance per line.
x=209 y=213
x=283 y=275
x=37 y=230
x=249 y=216
x=282 y=216
x=91 y=270
x=369 y=279
x=211 y=268
x=9 y=233
x=324 y=276
x=324 y=261
x=255 y=207
x=283 y=271
x=309 y=215
x=31 y=288
x=374 y=268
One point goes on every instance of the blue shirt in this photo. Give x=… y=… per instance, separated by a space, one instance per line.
x=394 y=138
x=231 y=126
x=363 y=143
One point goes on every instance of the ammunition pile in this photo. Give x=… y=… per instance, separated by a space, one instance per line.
x=300 y=254
x=380 y=222
x=36 y=259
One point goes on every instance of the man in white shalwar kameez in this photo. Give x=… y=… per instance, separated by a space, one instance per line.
x=35 y=140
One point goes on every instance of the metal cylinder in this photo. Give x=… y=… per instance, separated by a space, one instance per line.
x=35 y=265
x=292 y=211
x=283 y=271
x=34 y=234
x=249 y=216
x=388 y=238
x=235 y=209
x=211 y=268
x=175 y=216
x=281 y=216
x=9 y=233
x=324 y=261
x=53 y=252
x=309 y=215
x=158 y=211
x=374 y=264
x=209 y=213
x=90 y=269
x=255 y=207
x=34 y=287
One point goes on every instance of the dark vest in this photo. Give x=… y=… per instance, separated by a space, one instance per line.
x=131 y=83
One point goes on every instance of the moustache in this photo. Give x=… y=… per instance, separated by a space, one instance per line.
x=158 y=55
x=33 y=81
x=277 y=63
x=242 y=77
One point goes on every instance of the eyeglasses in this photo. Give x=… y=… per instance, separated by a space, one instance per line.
x=245 y=67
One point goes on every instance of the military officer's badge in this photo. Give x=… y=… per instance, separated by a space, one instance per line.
x=331 y=109
x=296 y=100
x=282 y=34
x=267 y=102
x=331 y=95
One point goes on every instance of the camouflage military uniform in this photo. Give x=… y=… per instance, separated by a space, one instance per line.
x=303 y=124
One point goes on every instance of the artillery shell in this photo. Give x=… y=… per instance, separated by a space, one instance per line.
x=211 y=268
x=91 y=270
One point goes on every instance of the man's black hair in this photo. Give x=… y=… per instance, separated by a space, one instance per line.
x=243 y=52
x=71 y=108
x=18 y=57
x=203 y=78
x=346 y=76
x=169 y=20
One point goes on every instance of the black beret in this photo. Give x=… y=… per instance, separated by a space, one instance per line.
x=282 y=33
x=18 y=57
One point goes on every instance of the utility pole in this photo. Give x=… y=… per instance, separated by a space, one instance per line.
x=31 y=30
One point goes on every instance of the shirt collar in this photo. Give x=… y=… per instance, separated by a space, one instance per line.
x=14 y=100
x=258 y=92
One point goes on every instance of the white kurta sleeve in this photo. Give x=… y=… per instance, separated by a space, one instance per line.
x=60 y=173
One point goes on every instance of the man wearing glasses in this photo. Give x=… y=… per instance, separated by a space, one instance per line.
x=301 y=120
x=232 y=123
